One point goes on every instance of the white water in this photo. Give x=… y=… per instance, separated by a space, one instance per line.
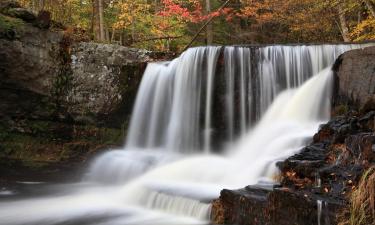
x=162 y=177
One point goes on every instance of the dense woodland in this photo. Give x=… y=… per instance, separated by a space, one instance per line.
x=172 y=24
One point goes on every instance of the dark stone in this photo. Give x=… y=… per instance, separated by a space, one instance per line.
x=243 y=206
x=43 y=20
x=355 y=79
x=273 y=206
x=361 y=147
x=31 y=62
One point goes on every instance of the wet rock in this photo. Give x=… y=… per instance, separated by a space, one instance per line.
x=275 y=206
x=342 y=141
x=243 y=206
x=361 y=147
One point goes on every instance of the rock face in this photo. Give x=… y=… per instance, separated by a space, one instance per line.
x=114 y=72
x=315 y=183
x=59 y=99
x=30 y=59
x=355 y=79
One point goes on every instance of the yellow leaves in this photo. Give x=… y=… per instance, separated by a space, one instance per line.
x=131 y=9
x=130 y=12
x=365 y=30
x=260 y=10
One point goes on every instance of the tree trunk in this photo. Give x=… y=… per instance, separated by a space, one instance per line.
x=371 y=7
x=101 y=20
x=343 y=23
x=107 y=34
x=41 y=5
x=113 y=35
x=121 y=36
x=209 y=31
x=133 y=30
x=96 y=20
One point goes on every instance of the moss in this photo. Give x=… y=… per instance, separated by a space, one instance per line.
x=4 y=132
x=340 y=110
x=34 y=164
x=38 y=141
x=10 y=27
x=62 y=83
x=99 y=135
x=112 y=136
x=38 y=127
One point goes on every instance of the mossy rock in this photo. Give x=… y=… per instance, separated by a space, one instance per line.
x=10 y=28
x=48 y=141
x=340 y=110
x=5 y=5
x=22 y=13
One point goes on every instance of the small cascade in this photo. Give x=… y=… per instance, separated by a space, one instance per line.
x=318 y=181
x=322 y=206
x=177 y=205
x=326 y=218
x=319 y=205
x=322 y=209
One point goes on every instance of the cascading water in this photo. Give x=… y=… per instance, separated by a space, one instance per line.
x=167 y=172
x=177 y=104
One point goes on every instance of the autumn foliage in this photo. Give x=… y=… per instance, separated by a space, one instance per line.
x=171 y=24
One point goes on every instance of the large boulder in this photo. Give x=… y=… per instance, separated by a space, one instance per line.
x=104 y=81
x=355 y=80
x=29 y=65
x=31 y=61
x=60 y=99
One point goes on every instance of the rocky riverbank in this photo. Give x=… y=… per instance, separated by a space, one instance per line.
x=316 y=184
x=61 y=99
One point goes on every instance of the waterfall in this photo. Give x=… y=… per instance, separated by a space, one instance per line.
x=213 y=118
x=187 y=104
x=171 y=97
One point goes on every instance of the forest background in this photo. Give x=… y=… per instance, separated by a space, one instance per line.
x=171 y=25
